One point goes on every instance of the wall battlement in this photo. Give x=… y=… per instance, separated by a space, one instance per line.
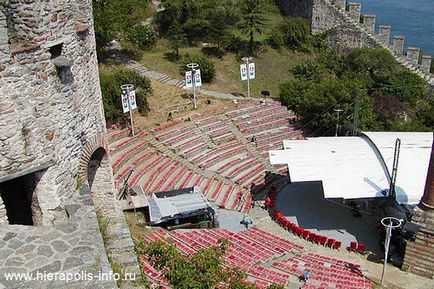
x=350 y=29
x=366 y=23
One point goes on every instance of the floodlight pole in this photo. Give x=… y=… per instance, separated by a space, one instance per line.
x=192 y=67
x=338 y=111
x=127 y=88
x=247 y=60
x=389 y=223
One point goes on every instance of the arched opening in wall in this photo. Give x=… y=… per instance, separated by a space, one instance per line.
x=99 y=177
x=18 y=201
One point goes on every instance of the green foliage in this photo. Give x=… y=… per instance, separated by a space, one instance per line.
x=204 y=270
x=206 y=66
x=292 y=33
x=196 y=20
x=253 y=20
x=144 y=37
x=111 y=78
x=115 y=18
x=368 y=78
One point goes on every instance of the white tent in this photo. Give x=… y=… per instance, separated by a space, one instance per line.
x=359 y=167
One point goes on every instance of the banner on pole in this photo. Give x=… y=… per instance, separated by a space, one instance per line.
x=251 y=70
x=124 y=99
x=133 y=102
x=197 y=78
x=188 y=79
x=243 y=71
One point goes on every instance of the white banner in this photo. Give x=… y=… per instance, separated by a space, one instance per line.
x=124 y=99
x=243 y=71
x=251 y=71
x=188 y=79
x=133 y=102
x=197 y=78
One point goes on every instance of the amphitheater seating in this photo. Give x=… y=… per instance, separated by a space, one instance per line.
x=251 y=249
x=230 y=157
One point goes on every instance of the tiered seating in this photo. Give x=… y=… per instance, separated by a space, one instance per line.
x=218 y=154
x=183 y=140
x=122 y=172
x=325 y=275
x=115 y=135
x=123 y=143
x=248 y=249
x=123 y=156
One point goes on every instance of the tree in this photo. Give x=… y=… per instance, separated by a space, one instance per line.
x=206 y=66
x=114 y=19
x=111 y=78
x=142 y=36
x=366 y=77
x=252 y=20
x=203 y=270
x=293 y=33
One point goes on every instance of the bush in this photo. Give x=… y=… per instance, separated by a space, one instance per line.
x=111 y=78
x=292 y=33
x=144 y=37
x=206 y=66
x=233 y=43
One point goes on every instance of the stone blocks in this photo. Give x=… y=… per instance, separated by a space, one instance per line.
x=369 y=22
x=398 y=44
x=413 y=55
x=354 y=11
x=384 y=34
x=425 y=64
x=341 y=4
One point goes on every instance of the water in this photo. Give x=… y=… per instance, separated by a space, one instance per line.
x=413 y=19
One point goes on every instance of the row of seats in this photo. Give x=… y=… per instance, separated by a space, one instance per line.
x=305 y=234
x=249 y=248
x=322 y=273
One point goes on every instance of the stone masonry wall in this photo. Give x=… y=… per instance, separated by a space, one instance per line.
x=347 y=29
x=52 y=122
x=47 y=116
x=419 y=255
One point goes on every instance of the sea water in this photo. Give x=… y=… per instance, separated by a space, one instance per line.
x=413 y=19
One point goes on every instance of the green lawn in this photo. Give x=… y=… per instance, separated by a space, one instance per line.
x=272 y=68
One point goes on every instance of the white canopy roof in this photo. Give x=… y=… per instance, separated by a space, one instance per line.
x=353 y=167
x=413 y=161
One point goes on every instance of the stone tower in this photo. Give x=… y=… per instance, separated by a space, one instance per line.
x=50 y=105
x=55 y=174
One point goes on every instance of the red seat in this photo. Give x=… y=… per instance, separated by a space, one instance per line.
x=361 y=248
x=331 y=242
x=267 y=202
x=305 y=234
x=338 y=244
x=312 y=237
x=353 y=246
x=323 y=240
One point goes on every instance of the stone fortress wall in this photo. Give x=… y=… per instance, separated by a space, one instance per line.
x=55 y=172
x=349 y=29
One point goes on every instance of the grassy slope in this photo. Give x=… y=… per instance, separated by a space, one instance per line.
x=271 y=65
x=272 y=68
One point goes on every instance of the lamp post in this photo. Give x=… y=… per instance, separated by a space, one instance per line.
x=247 y=60
x=338 y=111
x=389 y=223
x=127 y=88
x=192 y=67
